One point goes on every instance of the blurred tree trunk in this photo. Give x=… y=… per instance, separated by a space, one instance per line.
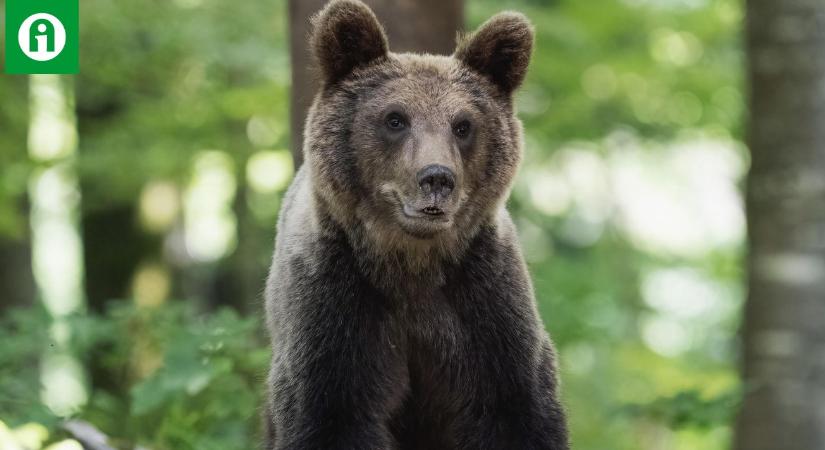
x=412 y=26
x=16 y=276
x=56 y=245
x=784 y=329
x=113 y=248
x=16 y=273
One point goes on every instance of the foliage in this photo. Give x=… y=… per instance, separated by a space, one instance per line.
x=23 y=334
x=689 y=408
x=194 y=380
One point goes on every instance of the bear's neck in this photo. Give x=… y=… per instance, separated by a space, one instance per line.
x=392 y=260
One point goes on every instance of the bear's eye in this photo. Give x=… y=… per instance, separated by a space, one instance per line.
x=462 y=129
x=395 y=122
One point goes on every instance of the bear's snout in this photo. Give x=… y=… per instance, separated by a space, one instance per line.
x=436 y=180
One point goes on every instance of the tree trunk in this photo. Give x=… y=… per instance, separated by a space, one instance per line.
x=426 y=26
x=15 y=274
x=784 y=329
x=113 y=248
x=56 y=245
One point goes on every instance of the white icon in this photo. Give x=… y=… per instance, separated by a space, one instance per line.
x=41 y=37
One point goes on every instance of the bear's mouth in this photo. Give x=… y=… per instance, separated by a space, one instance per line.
x=422 y=219
x=429 y=212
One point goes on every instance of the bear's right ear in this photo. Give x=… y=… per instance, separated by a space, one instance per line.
x=346 y=35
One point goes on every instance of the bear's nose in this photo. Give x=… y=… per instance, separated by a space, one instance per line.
x=436 y=179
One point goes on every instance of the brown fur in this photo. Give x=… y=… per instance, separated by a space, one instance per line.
x=432 y=87
x=500 y=49
x=391 y=329
x=346 y=35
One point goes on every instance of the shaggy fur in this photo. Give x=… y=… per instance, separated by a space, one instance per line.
x=346 y=35
x=500 y=49
x=394 y=329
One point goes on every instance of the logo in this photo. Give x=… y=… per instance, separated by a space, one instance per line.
x=41 y=36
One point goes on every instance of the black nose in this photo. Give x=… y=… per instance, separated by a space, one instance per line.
x=436 y=179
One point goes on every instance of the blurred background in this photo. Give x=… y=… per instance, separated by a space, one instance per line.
x=138 y=203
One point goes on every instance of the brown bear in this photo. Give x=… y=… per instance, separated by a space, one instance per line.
x=398 y=303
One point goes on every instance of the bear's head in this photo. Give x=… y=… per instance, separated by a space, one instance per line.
x=414 y=152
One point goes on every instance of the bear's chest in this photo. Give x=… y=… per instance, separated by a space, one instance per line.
x=443 y=364
x=440 y=349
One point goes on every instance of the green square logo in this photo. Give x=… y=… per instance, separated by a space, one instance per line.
x=42 y=36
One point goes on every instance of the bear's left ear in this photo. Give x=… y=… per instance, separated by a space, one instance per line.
x=500 y=50
x=346 y=34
